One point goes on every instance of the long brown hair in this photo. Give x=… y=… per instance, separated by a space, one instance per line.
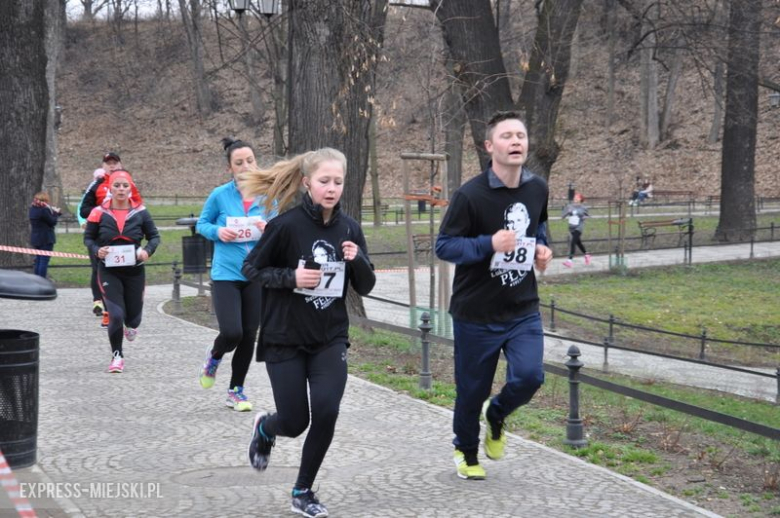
x=282 y=181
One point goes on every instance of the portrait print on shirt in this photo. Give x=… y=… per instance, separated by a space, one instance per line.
x=323 y=253
x=516 y=218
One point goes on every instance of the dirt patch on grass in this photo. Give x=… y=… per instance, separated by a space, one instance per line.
x=704 y=469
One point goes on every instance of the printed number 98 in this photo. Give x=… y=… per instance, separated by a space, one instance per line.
x=519 y=256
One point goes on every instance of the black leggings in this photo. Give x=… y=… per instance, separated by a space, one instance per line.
x=325 y=376
x=237 y=306
x=123 y=295
x=576 y=241
x=96 y=295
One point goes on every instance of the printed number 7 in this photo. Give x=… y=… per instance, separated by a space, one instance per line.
x=330 y=276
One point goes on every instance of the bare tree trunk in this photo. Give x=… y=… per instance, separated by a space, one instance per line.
x=674 y=75
x=92 y=8
x=191 y=19
x=52 y=182
x=611 y=30
x=333 y=59
x=373 y=172
x=737 y=206
x=455 y=121
x=255 y=96
x=717 y=115
x=471 y=36
x=277 y=54
x=216 y=28
x=22 y=131
x=543 y=86
x=721 y=8
x=649 y=79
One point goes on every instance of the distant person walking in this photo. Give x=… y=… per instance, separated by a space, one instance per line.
x=234 y=222
x=43 y=219
x=114 y=234
x=575 y=213
x=305 y=261
x=494 y=232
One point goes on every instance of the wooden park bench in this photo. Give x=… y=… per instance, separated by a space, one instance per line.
x=650 y=228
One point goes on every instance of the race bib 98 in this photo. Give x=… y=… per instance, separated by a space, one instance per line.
x=521 y=258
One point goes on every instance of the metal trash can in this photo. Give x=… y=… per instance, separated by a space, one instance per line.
x=19 y=372
x=194 y=253
x=18 y=396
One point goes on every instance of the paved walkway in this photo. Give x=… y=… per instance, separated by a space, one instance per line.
x=154 y=431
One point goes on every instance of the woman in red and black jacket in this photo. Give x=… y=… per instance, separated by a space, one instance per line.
x=113 y=234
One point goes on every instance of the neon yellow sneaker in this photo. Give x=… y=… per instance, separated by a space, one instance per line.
x=237 y=400
x=495 y=437
x=208 y=373
x=470 y=472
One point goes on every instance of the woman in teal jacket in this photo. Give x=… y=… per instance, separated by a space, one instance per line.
x=234 y=223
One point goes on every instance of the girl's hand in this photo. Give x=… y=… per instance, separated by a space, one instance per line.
x=349 y=249
x=142 y=255
x=305 y=278
x=102 y=252
x=261 y=225
x=226 y=234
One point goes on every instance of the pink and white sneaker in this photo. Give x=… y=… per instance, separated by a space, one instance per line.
x=587 y=259
x=130 y=333
x=567 y=263
x=117 y=364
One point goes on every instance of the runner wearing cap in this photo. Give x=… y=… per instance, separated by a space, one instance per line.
x=115 y=230
x=96 y=193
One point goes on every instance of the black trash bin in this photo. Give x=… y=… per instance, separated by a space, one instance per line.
x=18 y=396
x=194 y=252
x=19 y=372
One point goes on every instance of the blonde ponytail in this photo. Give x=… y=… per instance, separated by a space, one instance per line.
x=282 y=181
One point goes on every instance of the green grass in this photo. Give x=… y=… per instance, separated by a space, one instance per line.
x=735 y=301
x=544 y=418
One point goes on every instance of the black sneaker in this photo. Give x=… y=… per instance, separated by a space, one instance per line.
x=260 y=445
x=305 y=502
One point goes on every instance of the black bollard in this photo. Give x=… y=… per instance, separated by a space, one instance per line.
x=552 y=315
x=702 y=353
x=425 y=329
x=574 y=428
x=176 y=295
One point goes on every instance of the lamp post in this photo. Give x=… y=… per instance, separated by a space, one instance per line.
x=239 y=6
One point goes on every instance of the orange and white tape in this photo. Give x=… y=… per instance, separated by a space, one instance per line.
x=35 y=251
x=14 y=491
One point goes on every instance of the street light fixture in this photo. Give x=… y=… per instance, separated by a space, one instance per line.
x=266 y=7
x=239 y=6
x=774 y=100
x=270 y=7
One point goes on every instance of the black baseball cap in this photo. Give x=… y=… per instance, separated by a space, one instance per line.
x=111 y=156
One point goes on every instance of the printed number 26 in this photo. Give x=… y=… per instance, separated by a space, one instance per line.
x=518 y=256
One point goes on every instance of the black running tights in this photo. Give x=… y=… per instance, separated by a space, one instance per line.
x=576 y=241
x=237 y=306
x=324 y=375
x=123 y=296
